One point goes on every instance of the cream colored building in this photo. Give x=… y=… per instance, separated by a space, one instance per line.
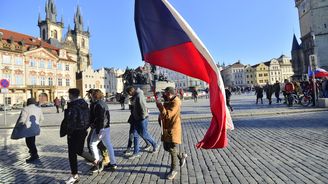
x=108 y=80
x=90 y=79
x=274 y=71
x=181 y=81
x=113 y=81
x=33 y=67
x=250 y=77
x=261 y=72
x=286 y=67
x=234 y=75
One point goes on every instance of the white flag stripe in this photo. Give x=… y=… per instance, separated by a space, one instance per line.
x=205 y=53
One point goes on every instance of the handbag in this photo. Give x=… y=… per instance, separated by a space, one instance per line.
x=18 y=131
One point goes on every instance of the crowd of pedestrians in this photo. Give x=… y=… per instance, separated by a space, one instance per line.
x=91 y=122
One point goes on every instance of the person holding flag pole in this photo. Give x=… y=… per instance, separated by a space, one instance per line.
x=166 y=40
x=170 y=121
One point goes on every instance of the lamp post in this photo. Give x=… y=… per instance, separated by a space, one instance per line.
x=313 y=63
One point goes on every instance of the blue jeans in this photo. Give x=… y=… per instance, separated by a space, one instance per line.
x=141 y=127
x=105 y=140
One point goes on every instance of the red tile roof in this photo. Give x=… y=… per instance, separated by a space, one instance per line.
x=28 y=40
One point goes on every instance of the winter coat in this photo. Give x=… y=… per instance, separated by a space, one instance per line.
x=101 y=117
x=139 y=109
x=28 y=123
x=170 y=115
x=276 y=87
x=76 y=120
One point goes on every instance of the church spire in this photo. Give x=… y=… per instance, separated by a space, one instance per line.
x=78 y=20
x=51 y=11
x=296 y=45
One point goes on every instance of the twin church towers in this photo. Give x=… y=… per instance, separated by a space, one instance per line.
x=74 y=44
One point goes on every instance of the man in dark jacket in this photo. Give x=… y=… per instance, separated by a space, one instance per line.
x=77 y=125
x=276 y=89
x=269 y=91
x=139 y=112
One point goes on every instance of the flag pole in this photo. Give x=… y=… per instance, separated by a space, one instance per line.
x=152 y=87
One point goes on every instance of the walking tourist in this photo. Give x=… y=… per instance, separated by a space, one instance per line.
x=170 y=115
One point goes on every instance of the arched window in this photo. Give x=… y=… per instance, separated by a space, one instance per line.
x=55 y=34
x=83 y=43
x=44 y=34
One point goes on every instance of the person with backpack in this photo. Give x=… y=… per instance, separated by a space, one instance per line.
x=75 y=125
x=101 y=129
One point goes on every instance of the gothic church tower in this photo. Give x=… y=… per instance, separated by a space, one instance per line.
x=50 y=29
x=313 y=18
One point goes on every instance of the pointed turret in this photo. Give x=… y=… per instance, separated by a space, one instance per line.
x=296 y=45
x=51 y=11
x=39 y=19
x=78 y=20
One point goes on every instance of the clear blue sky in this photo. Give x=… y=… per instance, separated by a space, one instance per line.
x=250 y=31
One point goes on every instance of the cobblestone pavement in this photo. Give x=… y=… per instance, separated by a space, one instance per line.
x=265 y=149
x=244 y=105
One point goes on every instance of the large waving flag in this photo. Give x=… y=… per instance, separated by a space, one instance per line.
x=318 y=73
x=166 y=40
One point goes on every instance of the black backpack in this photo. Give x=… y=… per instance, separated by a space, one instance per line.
x=83 y=117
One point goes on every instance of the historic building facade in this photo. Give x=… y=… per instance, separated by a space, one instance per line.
x=234 y=75
x=76 y=40
x=34 y=67
x=108 y=80
x=313 y=18
x=181 y=81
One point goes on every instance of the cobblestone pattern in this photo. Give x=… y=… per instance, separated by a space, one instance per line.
x=281 y=149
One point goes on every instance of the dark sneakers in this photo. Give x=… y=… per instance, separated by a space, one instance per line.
x=111 y=167
x=32 y=159
x=182 y=159
x=97 y=168
x=155 y=149
x=171 y=175
x=147 y=148
x=137 y=155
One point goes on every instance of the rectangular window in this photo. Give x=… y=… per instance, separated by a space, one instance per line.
x=6 y=59
x=89 y=85
x=7 y=76
x=59 y=66
x=32 y=63
x=19 y=80
x=50 y=82
x=49 y=65
x=43 y=81
x=19 y=61
x=67 y=82
x=86 y=85
x=33 y=80
x=265 y=74
x=8 y=100
x=41 y=64
x=67 y=67
x=60 y=82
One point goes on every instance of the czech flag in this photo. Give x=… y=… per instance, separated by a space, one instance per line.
x=318 y=73
x=166 y=40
